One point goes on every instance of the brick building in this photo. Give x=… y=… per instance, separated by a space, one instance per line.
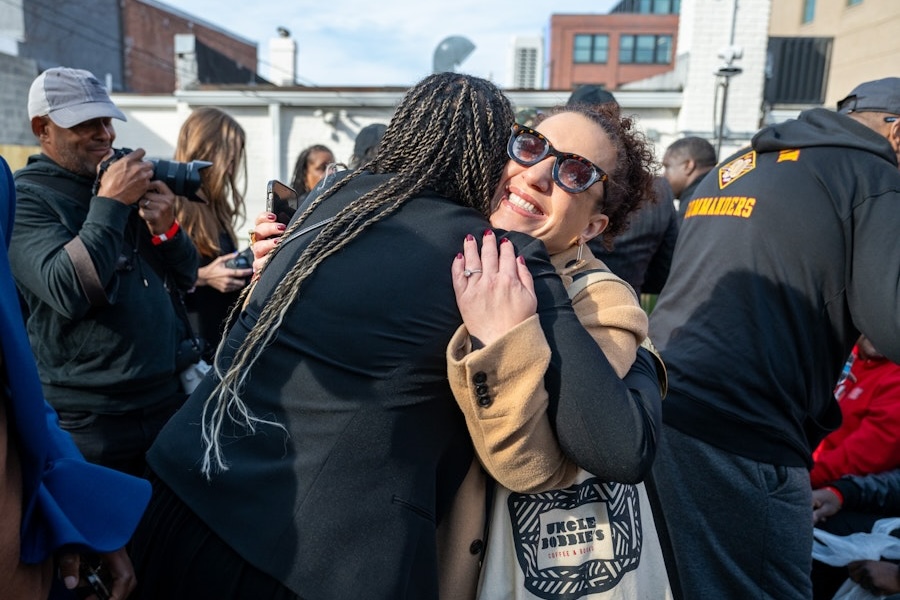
x=611 y=50
x=149 y=59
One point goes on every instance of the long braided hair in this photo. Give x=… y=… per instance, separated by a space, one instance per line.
x=448 y=135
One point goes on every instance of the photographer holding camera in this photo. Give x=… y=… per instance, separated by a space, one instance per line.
x=95 y=252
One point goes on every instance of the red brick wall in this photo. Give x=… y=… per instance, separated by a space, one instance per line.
x=149 y=46
x=565 y=74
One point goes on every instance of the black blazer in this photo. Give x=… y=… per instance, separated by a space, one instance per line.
x=347 y=505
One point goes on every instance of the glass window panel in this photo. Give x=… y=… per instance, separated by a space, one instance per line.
x=626 y=49
x=582 y=51
x=664 y=49
x=601 y=49
x=809 y=10
x=645 y=49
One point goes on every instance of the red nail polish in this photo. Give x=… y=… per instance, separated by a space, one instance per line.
x=276 y=242
x=470 y=237
x=488 y=232
x=504 y=240
x=281 y=227
x=270 y=216
x=521 y=260
x=459 y=255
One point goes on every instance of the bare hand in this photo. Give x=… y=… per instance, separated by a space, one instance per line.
x=222 y=278
x=266 y=233
x=499 y=292
x=127 y=179
x=877 y=576
x=157 y=207
x=117 y=563
x=825 y=504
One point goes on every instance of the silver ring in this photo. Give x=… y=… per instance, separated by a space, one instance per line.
x=470 y=272
x=146 y=203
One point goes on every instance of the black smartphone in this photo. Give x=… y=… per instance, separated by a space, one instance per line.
x=282 y=200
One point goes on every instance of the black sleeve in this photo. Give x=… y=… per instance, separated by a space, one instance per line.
x=877 y=493
x=658 y=270
x=605 y=424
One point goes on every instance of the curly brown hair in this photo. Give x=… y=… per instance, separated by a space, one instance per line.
x=630 y=183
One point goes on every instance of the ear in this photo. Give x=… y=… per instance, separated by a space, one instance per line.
x=595 y=227
x=690 y=165
x=39 y=126
x=894 y=137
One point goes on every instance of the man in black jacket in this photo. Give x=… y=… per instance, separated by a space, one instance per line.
x=94 y=257
x=685 y=163
x=787 y=251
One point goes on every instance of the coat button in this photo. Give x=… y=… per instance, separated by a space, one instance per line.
x=476 y=547
x=484 y=401
x=481 y=389
x=479 y=377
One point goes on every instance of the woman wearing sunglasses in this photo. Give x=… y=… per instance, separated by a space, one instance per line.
x=318 y=457
x=555 y=530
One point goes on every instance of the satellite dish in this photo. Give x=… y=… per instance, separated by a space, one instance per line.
x=451 y=52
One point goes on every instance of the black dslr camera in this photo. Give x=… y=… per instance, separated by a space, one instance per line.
x=182 y=178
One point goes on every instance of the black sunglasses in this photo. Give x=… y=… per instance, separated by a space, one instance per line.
x=571 y=172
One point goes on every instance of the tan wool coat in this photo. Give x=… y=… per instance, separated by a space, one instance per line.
x=513 y=438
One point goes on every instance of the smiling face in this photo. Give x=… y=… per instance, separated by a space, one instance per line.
x=528 y=200
x=78 y=149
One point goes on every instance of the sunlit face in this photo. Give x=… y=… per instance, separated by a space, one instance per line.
x=78 y=149
x=676 y=171
x=315 y=167
x=528 y=200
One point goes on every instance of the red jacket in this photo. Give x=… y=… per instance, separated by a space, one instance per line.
x=868 y=440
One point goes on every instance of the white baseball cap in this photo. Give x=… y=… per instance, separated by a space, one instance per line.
x=69 y=97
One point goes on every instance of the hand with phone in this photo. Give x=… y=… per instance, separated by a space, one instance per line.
x=109 y=576
x=282 y=200
x=281 y=204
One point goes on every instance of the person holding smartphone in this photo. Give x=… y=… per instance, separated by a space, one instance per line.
x=322 y=457
x=212 y=135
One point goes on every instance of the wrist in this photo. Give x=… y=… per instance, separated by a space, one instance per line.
x=837 y=494
x=168 y=235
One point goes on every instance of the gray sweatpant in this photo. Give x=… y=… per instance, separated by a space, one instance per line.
x=739 y=528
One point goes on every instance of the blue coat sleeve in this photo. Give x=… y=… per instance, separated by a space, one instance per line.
x=67 y=501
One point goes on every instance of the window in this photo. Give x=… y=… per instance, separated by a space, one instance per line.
x=591 y=48
x=648 y=7
x=809 y=10
x=645 y=49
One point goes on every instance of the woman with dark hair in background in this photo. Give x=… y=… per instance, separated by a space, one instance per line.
x=212 y=135
x=310 y=168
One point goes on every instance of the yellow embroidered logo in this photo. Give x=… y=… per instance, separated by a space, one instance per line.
x=721 y=206
x=789 y=155
x=729 y=173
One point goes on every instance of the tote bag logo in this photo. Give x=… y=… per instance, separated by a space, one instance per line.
x=578 y=541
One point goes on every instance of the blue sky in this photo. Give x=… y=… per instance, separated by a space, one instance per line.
x=358 y=43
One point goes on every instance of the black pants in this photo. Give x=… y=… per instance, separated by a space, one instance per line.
x=119 y=441
x=176 y=556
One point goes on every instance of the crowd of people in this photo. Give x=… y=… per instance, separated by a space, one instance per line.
x=438 y=379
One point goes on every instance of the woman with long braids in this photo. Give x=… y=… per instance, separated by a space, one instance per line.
x=320 y=457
